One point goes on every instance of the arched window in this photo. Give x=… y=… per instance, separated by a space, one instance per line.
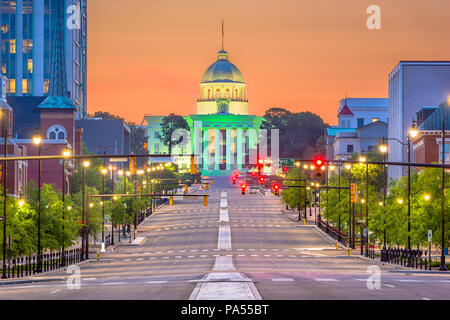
x=209 y=94
x=56 y=132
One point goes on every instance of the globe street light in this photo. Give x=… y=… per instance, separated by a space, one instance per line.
x=66 y=154
x=37 y=140
x=84 y=240
x=103 y=171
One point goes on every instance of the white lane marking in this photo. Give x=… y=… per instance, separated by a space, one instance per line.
x=325 y=279
x=223 y=194
x=223 y=263
x=282 y=279
x=113 y=283
x=140 y=259
x=56 y=291
x=203 y=256
x=127 y=260
x=223 y=203
x=224 y=216
x=224 y=240
x=156 y=282
x=234 y=286
x=426 y=298
x=389 y=285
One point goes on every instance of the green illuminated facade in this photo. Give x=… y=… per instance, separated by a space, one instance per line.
x=222 y=133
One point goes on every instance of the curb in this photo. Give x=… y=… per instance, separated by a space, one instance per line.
x=27 y=281
x=421 y=272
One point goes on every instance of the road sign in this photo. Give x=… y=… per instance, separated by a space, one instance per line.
x=289 y=162
x=430 y=235
x=361 y=221
x=1 y=219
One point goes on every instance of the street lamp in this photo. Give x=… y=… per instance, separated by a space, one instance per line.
x=84 y=239
x=103 y=171
x=112 y=169
x=66 y=154
x=37 y=140
x=384 y=149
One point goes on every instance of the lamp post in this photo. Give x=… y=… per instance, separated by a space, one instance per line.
x=66 y=154
x=140 y=173
x=363 y=159
x=383 y=149
x=37 y=140
x=443 y=267
x=84 y=236
x=351 y=211
x=5 y=193
x=121 y=174
x=112 y=169
x=104 y=171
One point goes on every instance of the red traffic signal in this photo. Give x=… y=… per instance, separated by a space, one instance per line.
x=234 y=179
x=318 y=163
x=253 y=173
x=243 y=186
x=260 y=162
x=285 y=169
x=262 y=179
x=276 y=188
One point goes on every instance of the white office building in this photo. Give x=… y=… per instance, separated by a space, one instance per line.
x=412 y=85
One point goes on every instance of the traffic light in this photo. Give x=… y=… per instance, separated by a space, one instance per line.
x=253 y=174
x=243 y=189
x=276 y=188
x=205 y=201
x=260 y=165
x=285 y=169
x=318 y=163
x=262 y=179
x=234 y=179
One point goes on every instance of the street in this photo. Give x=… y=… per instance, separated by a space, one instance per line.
x=238 y=247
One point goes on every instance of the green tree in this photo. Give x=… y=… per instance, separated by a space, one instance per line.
x=168 y=125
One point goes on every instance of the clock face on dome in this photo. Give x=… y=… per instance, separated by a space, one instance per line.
x=222 y=105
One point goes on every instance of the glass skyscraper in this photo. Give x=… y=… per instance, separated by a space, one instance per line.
x=27 y=39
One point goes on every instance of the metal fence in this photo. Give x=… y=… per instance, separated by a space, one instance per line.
x=332 y=231
x=411 y=258
x=27 y=266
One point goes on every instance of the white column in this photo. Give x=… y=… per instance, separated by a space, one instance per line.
x=240 y=146
x=205 y=149
x=217 y=152
x=228 y=150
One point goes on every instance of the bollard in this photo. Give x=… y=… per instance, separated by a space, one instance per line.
x=171 y=201
x=304 y=222
x=337 y=245
x=205 y=201
x=349 y=252
x=98 y=256
x=207 y=186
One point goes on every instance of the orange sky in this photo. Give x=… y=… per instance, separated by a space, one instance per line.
x=147 y=56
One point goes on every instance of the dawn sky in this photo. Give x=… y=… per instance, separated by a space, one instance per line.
x=147 y=56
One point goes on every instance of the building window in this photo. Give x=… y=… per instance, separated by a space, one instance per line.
x=12 y=46
x=24 y=86
x=446 y=152
x=4 y=68
x=370 y=148
x=349 y=148
x=375 y=119
x=360 y=122
x=46 y=85
x=30 y=65
x=12 y=86
x=56 y=132
x=156 y=135
x=156 y=148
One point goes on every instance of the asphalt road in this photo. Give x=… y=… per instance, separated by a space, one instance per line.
x=238 y=247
